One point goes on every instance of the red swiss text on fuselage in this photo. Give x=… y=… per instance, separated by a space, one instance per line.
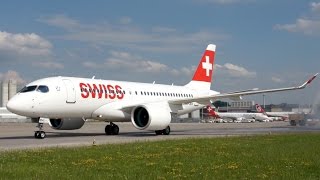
x=101 y=91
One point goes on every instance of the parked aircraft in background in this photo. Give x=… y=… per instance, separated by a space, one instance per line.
x=238 y=116
x=69 y=101
x=274 y=115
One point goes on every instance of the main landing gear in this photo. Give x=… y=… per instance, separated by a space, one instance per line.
x=40 y=134
x=165 y=131
x=112 y=129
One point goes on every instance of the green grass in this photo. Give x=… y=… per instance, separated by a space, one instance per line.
x=294 y=156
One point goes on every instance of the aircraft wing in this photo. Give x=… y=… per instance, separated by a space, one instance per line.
x=239 y=94
x=120 y=107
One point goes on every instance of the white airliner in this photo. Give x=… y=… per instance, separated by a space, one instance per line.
x=237 y=116
x=69 y=101
x=274 y=115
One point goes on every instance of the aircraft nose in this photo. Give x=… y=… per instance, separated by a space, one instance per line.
x=12 y=105
x=15 y=106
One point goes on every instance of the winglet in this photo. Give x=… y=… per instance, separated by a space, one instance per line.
x=305 y=84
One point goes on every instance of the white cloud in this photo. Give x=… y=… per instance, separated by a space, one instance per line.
x=61 y=21
x=136 y=65
x=232 y=70
x=309 y=25
x=12 y=75
x=277 y=80
x=133 y=63
x=306 y=26
x=129 y=62
x=48 y=65
x=315 y=7
x=127 y=34
x=24 y=44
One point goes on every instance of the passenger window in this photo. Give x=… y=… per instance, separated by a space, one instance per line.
x=43 y=89
x=28 y=89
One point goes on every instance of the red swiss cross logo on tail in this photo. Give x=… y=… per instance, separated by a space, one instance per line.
x=205 y=67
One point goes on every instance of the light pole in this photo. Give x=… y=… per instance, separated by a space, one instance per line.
x=264 y=100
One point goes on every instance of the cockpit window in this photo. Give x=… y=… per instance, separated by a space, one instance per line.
x=28 y=89
x=43 y=89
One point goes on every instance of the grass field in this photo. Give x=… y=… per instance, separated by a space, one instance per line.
x=293 y=156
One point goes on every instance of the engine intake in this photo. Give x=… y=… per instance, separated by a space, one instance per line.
x=151 y=116
x=141 y=117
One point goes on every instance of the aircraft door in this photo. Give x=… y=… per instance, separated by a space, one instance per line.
x=71 y=92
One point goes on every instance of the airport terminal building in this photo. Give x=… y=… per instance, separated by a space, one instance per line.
x=8 y=90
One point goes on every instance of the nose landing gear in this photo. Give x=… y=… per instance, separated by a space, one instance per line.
x=40 y=134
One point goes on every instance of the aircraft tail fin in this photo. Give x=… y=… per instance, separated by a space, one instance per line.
x=259 y=109
x=211 y=112
x=203 y=75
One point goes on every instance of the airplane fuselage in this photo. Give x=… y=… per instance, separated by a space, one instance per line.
x=80 y=97
x=240 y=116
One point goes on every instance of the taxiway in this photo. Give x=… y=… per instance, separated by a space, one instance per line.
x=20 y=135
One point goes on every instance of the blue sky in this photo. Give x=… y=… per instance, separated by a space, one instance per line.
x=260 y=43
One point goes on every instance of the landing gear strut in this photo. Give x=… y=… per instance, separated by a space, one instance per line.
x=112 y=129
x=165 y=131
x=39 y=134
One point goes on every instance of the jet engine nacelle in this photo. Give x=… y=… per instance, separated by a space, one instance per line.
x=154 y=116
x=66 y=123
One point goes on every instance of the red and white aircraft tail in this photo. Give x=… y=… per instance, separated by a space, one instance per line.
x=211 y=112
x=203 y=75
x=274 y=115
x=259 y=109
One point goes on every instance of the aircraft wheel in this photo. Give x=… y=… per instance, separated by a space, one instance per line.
x=39 y=134
x=159 y=132
x=115 y=129
x=166 y=131
x=36 y=134
x=108 y=129
x=112 y=129
x=42 y=135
